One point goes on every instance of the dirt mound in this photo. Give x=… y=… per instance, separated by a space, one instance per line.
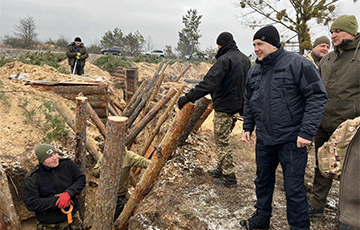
x=197 y=72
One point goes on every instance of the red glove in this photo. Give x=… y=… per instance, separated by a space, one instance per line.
x=64 y=200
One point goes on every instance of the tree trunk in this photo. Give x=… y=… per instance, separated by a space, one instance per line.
x=161 y=155
x=80 y=150
x=149 y=116
x=200 y=107
x=96 y=119
x=67 y=114
x=110 y=175
x=161 y=120
x=9 y=219
x=203 y=117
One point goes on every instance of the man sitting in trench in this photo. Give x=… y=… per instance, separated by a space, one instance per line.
x=131 y=159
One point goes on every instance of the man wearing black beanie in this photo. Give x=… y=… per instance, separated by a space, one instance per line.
x=77 y=54
x=225 y=81
x=284 y=98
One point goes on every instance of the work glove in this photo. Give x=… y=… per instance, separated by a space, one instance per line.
x=64 y=200
x=78 y=55
x=182 y=101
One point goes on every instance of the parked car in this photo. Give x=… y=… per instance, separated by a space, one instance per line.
x=197 y=56
x=159 y=53
x=114 y=51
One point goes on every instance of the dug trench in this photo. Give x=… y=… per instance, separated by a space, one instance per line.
x=183 y=196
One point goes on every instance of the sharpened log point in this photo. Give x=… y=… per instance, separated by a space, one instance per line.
x=117 y=118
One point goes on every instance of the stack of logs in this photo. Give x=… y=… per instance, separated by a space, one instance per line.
x=121 y=131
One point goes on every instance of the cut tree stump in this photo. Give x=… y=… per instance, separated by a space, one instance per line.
x=110 y=176
x=161 y=155
x=9 y=220
x=80 y=149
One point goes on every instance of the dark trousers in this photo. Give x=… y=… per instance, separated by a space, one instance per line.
x=293 y=161
x=321 y=184
x=79 y=69
x=120 y=203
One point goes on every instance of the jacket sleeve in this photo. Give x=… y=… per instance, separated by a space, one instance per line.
x=32 y=199
x=85 y=54
x=210 y=83
x=79 y=180
x=249 y=120
x=314 y=92
x=70 y=53
x=137 y=160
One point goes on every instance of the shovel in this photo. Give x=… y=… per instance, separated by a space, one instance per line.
x=76 y=61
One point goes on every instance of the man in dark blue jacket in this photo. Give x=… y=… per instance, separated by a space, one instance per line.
x=225 y=81
x=51 y=186
x=285 y=98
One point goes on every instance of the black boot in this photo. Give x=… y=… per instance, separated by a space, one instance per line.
x=215 y=172
x=256 y=221
x=227 y=180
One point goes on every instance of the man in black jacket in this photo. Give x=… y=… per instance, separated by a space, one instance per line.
x=225 y=81
x=285 y=98
x=51 y=186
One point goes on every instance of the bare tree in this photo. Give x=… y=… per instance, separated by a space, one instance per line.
x=294 y=15
x=149 y=44
x=26 y=32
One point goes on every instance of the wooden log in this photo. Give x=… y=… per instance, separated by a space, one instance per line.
x=85 y=89
x=161 y=155
x=80 y=149
x=9 y=219
x=118 y=105
x=182 y=73
x=161 y=120
x=149 y=116
x=137 y=108
x=203 y=117
x=69 y=117
x=110 y=176
x=112 y=110
x=90 y=111
x=91 y=98
x=137 y=94
x=152 y=97
x=200 y=107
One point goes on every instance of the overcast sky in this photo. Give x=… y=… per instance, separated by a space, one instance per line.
x=160 y=20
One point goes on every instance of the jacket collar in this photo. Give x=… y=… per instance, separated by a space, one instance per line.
x=272 y=58
x=346 y=45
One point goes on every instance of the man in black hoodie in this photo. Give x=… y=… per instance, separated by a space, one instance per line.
x=225 y=82
x=52 y=186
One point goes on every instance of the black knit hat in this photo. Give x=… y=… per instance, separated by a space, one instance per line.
x=268 y=34
x=77 y=39
x=224 y=38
